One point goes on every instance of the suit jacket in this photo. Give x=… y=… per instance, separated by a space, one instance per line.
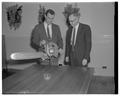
x=82 y=46
x=39 y=34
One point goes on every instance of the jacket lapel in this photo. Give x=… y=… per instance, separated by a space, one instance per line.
x=70 y=36
x=78 y=33
x=53 y=31
x=44 y=32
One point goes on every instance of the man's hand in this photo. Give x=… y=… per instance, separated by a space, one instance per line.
x=44 y=56
x=84 y=62
x=43 y=42
x=60 y=51
x=67 y=59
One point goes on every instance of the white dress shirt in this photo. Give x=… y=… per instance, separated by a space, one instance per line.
x=50 y=29
x=76 y=30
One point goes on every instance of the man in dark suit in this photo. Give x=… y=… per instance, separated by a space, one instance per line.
x=78 y=42
x=46 y=31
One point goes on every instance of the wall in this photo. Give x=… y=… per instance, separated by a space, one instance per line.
x=100 y=17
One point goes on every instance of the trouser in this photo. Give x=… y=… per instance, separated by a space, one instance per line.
x=76 y=60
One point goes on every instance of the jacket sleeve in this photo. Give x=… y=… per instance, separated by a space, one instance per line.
x=35 y=38
x=59 y=39
x=88 y=43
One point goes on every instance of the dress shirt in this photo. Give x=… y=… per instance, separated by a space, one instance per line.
x=76 y=30
x=50 y=28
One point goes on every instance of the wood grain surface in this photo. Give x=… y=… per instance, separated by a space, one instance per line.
x=61 y=80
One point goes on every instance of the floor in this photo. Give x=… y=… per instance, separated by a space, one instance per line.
x=101 y=85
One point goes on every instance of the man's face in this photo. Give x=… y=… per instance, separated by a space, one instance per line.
x=74 y=20
x=49 y=18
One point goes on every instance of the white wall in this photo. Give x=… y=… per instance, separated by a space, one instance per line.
x=100 y=17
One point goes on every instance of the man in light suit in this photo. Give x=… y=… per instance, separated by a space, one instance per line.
x=78 y=42
x=47 y=31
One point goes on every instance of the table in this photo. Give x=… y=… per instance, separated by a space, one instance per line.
x=63 y=80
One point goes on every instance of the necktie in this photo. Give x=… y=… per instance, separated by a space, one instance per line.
x=48 y=33
x=73 y=39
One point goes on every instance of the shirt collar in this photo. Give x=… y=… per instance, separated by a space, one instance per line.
x=76 y=27
x=45 y=24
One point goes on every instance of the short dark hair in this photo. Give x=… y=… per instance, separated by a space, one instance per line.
x=50 y=11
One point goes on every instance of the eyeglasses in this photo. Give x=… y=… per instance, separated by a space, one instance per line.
x=50 y=18
x=73 y=20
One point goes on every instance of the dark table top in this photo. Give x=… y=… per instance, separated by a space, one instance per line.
x=39 y=79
